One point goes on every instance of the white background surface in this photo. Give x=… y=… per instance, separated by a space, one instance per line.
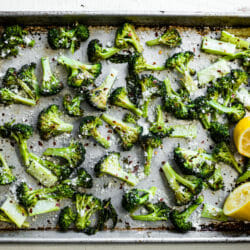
x=225 y=6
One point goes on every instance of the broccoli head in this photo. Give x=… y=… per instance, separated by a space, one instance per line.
x=50 y=124
x=219 y=132
x=80 y=74
x=125 y=36
x=51 y=85
x=215 y=181
x=66 y=218
x=88 y=127
x=135 y=198
x=130 y=118
x=72 y=105
x=68 y=38
x=171 y=38
x=96 y=52
x=180 y=219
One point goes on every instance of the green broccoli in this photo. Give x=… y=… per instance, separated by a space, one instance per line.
x=80 y=74
x=74 y=153
x=119 y=97
x=126 y=35
x=72 y=105
x=50 y=124
x=212 y=212
x=88 y=127
x=51 y=85
x=6 y=175
x=180 y=219
x=240 y=43
x=180 y=61
x=185 y=192
x=149 y=143
x=171 y=38
x=96 y=52
x=215 y=181
x=98 y=97
x=68 y=38
x=129 y=135
x=130 y=118
x=246 y=175
x=109 y=164
x=66 y=218
x=12 y=38
x=138 y=64
x=134 y=198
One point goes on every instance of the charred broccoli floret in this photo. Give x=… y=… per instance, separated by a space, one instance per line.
x=74 y=153
x=126 y=36
x=246 y=175
x=6 y=175
x=135 y=198
x=66 y=218
x=215 y=181
x=119 y=97
x=180 y=61
x=138 y=64
x=68 y=38
x=12 y=38
x=158 y=211
x=197 y=162
x=129 y=135
x=51 y=85
x=149 y=143
x=72 y=105
x=212 y=212
x=219 y=132
x=130 y=118
x=98 y=97
x=171 y=38
x=97 y=53
x=109 y=164
x=222 y=153
x=180 y=219
x=80 y=74
x=88 y=127
x=184 y=188
x=50 y=124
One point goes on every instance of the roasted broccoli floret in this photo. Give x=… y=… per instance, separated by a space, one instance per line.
x=138 y=64
x=51 y=85
x=173 y=102
x=149 y=87
x=50 y=124
x=197 y=162
x=80 y=74
x=222 y=153
x=184 y=188
x=215 y=181
x=88 y=127
x=180 y=61
x=129 y=135
x=136 y=197
x=8 y=97
x=66 y=218
x=97 y=53
x=98 y=97
x=74 y=153
x=109 y=164
x=180 y=219
x=212 y=212
x=219 y=132
x=149 y=143
x=12 y=38
x=158 y=211
x=126 y=36
x=87 y=205
x=68 y=38
x=246 y=175
x=171 y=38
x=130 y=118
x=29 y=197
x=119 y=97
x=72 y=105
x=6 y=175
x=159 y=128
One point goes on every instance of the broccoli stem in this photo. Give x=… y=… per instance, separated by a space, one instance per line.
x=148 y=154
x=26 y=89
x=47 y=74
x=19 y=99
x=126 y=103
x=170 y=175
x=184 y=131
x=220 y=107
x=188 y=212
x=72 y=63
x=240 y=43
x=144 y=108
x=45 y=206
x=100 y=139
x=153 y=67
x=107 y=53
x=212 y=212
x=153 y=42
x=61 y=125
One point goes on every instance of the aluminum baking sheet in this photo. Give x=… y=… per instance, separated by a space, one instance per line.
x=43 y=227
